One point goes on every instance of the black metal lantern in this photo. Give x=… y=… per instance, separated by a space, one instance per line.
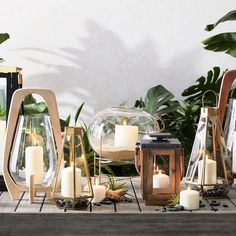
x=10 y=80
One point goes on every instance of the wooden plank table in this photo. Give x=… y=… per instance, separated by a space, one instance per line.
x=133 y=203
x=131 y=217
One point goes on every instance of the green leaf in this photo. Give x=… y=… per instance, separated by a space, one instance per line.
x=4 y=37
x=225 y=42
x=139 y=103
x=35 y=108
x=29 y=99
x=156 y=99
x=212 y=81
x=78 y=112
x=229 y=16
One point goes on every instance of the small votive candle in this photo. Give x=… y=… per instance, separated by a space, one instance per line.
x=189 y=199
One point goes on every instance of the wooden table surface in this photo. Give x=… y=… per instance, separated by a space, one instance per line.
x=134 y=205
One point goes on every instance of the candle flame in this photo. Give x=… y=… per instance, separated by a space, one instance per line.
x=125 y=122
x=159 y=171
x=189 y=188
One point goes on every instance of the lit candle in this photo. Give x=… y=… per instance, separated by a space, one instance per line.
x=34 y=163
x=99 y=193
x=67 y=182
x=161 y=180
x=189 y=199
x=234 y=154
x=210 y=171
x=2 y=138
x=126 y=136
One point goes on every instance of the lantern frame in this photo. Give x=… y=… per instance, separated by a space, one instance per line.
x=14 y=81
x=14 y=112
x=75 y=202
x=207 y=168
x=170 y=148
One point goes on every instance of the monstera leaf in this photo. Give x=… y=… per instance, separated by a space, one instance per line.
x=4 y=37
x=156 y=101
x=212 y=82
x=224 y=42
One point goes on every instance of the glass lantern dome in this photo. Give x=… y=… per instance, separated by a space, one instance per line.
x=33 y=151
x=114 y=132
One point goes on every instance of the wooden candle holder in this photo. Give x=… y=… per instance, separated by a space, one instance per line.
x=17 y=99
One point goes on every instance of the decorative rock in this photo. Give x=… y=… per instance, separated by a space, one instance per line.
x=214 y=203
x=106 y=201
x=179 y=207
x=172 y=209
x=225 y=205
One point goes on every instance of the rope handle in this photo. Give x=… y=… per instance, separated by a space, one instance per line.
x=203 y=96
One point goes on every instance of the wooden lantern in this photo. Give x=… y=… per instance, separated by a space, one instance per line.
x=161 y=170
x=15 y=176
x=10 y=80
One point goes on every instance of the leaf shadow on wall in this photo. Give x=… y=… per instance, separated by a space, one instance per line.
x=104 y=73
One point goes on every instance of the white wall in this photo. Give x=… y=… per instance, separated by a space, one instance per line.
x=109 y=51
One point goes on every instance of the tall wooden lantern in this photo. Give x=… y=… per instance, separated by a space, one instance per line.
x=161 y=170
x=32 y=146
x=10 y=80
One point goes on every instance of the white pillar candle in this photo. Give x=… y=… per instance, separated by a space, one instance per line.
x=126 y=136
x=67 y=182
x=161 y=180
x=189 y=199
x=34 y=164
x=210 y=171
x=234 y=154
x=2 y=138
x=99 y=192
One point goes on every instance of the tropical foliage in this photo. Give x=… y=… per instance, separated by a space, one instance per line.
x=3 y=38
x=223 y=42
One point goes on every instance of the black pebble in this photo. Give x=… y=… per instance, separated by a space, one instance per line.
x=225 y=205
x=97 y=204
x=106 y=202
x=171 y=209
x=202 y=205
x=214 y=203
x=179 y=207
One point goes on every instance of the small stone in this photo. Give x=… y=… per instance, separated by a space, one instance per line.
x=106 y=202
x=214 y=203
x=201 y=204
x=225 y=205
x=157 y=209
x=179 y=207
x=171 y=209
x=97 y=204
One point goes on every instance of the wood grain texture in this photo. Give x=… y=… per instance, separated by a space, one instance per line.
x=118 y=224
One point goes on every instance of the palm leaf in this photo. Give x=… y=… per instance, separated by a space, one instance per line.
x=225 y=42
x=203 y=84
x=229 y=16
x=4 y=37
x=78 y=112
